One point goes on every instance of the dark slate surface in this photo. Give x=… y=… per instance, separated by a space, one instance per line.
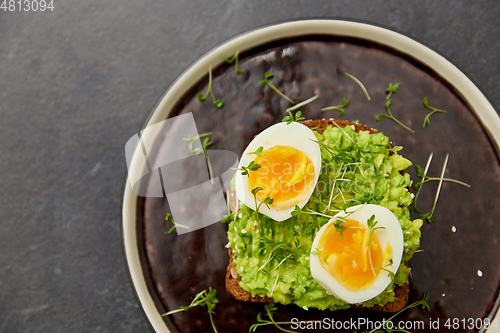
x=77 y=82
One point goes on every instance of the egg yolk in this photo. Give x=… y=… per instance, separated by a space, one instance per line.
x=286 y=175
x=354 y=260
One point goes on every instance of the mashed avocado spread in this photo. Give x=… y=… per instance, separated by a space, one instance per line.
x=272 y=257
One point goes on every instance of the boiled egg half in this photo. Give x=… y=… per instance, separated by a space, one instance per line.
x=290 y=164
x=352 y=262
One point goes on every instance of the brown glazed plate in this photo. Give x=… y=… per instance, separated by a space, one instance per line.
x=310 y=57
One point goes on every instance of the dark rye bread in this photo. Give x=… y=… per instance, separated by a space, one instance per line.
x=233 y=279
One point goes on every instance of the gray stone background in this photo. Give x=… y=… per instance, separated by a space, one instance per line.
x=77 y=82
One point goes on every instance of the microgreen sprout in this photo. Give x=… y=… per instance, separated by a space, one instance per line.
x=389 y=263
x=345 y=103
x=228 y=218
x=420 y=173
x=422 y=302
x=169 y=217
x=274 y=255
x=267 y=201
x=281 y=259
x=297 y=212
x=371 y=223
x=428 y=216
x=373 y=198
x=359 y=84
x=396 y=149
x=252 y=166
x=258 y=151
x=176 y=225
x=427 y=121
x=217 y=102
x=235 y=60
x=389 y=115
x=290 y=119
x=193 y=140
x=299 y=247
x=278 y=277
x=343 y=208
x=316 y=200
x=328 y=148
x=426 y=179
x=392 y=89
x=203 y=298
x=205 y=144
x=337 y=174
x=338 y=224
x=270 y=310
x=423 y=175
x=265 y=82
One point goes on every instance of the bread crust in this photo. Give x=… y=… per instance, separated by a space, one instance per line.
x=233 y=279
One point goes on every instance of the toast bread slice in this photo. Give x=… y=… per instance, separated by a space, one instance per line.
x=233 y=279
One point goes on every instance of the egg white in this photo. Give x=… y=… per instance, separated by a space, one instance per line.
x=392 y=234
x=295 y=135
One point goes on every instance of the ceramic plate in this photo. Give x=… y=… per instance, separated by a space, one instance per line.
x=460 y=263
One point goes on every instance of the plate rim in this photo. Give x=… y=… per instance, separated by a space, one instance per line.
x=469 y=91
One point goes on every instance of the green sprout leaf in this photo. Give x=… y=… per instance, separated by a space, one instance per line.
x=392 y=89
x=265 y=82
x=267 y=201
x=268 y=75
x=235 y=60
x=345 y=103
x=176 y=225
x=389 y=115
x=228 y=218
x=252 y=166
x=396 y=149
x=203 y=298
x=298 y=116
x=373 y=198
x=255 y=190
x=296 y=211
x=420 y=172
x=290 y=118
x=427 y=120
x=258 y=151
x=339 y=227
x=218 y=103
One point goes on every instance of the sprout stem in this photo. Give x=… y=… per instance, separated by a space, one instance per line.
x=301 y=104
x=359 y=84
